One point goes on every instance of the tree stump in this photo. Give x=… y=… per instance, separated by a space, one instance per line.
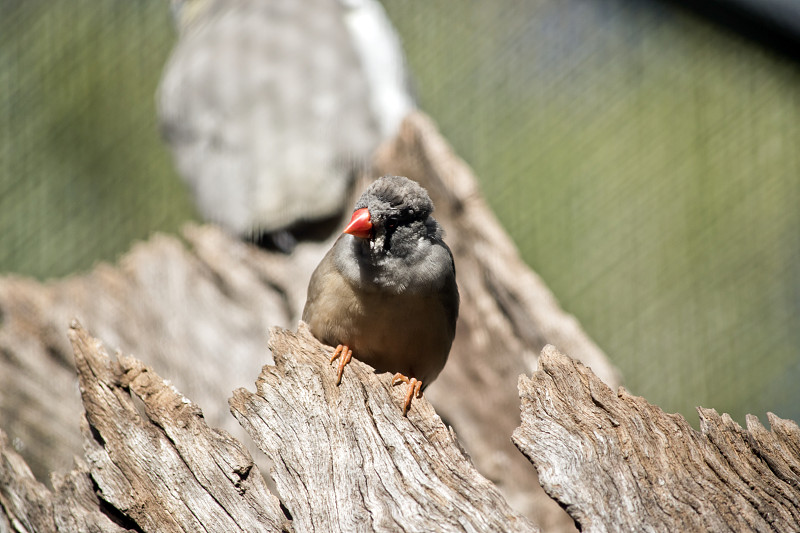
x=197 y=308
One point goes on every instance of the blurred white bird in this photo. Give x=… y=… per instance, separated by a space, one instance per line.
x=269 y=106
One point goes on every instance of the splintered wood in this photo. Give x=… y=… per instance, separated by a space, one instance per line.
x=618 y=463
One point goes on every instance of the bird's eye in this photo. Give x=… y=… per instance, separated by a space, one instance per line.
x=391 y=223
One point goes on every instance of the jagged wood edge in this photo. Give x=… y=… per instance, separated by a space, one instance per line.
x=163 y=468
x=345 y=458
x=616 y=462
x=27 y=505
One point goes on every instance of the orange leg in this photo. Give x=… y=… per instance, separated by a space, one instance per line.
x=414 y=389
x=344 y=354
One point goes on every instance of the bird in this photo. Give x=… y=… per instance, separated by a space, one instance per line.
x=386 y=290
x=271 y=108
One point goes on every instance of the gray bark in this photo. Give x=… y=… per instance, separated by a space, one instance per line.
x=618 y=463
x=346 y=459
x=27 y=505
x=151 y=463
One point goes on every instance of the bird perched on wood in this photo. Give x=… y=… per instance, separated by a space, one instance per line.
x=386 y=291
x=270 y=107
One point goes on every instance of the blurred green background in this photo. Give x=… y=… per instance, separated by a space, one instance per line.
x=645 y=161
x=83 y=171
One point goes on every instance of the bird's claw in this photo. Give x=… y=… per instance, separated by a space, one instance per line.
x=344 y=354
x=414 y=389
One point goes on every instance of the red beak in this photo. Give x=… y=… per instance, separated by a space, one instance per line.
x=360 y=225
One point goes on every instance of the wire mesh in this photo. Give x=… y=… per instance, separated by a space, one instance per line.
x=82 y=170
x=646 y=164
x=644 y=161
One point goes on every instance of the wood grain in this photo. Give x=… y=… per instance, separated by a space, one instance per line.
x=618 y=463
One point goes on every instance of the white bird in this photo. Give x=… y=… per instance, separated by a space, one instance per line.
x=270 y=107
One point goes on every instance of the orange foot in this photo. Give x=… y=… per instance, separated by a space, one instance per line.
x=414 y=389
x=346 y=354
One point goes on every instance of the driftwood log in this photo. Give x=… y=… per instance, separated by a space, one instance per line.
x=618 y=463
x=345 y=458
x=198 y=308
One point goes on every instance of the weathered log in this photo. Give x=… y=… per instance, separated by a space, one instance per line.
x=161 y=469
x=198 y=311
x=151 y=462
x=345 y=458
x=164 y=468
x=27 y=505
x=617 y=463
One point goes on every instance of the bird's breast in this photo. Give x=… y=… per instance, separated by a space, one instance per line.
x=407 y=333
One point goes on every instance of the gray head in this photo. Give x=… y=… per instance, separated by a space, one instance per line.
x=393 y=232
x=391 y=215
x=396 y=196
